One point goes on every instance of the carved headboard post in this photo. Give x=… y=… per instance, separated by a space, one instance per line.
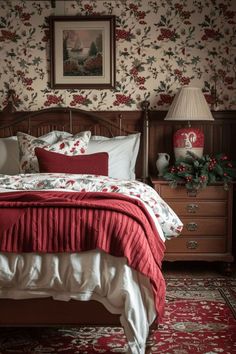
x=70 y=121
x=9 y=108
x=145 y=171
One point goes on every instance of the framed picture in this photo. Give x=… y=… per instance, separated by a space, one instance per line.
x=82 y=52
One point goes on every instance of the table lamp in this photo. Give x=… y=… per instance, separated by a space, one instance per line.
x=189 y=104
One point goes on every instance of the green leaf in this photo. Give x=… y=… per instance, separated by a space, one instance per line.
x=219 y=170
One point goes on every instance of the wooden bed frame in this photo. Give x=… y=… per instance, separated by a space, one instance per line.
x=46 y=312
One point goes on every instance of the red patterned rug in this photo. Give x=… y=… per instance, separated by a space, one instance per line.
x=200 y=318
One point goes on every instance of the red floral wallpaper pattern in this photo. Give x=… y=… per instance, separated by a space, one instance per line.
x=160 y=46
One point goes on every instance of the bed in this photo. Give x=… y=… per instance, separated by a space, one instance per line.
x=81 y=237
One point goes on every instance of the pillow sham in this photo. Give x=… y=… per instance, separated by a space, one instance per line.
x=9 y=151
x=70 y=145
x=122 y=150
x=53 y=162
x=9 y=156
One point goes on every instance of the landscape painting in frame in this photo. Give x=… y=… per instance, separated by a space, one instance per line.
x=82 y=51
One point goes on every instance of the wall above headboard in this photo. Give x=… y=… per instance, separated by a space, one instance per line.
x=160 y=46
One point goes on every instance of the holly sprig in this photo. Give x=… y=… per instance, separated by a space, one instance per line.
x=198 y=172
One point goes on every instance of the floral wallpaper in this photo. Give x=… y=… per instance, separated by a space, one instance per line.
x=160 y=46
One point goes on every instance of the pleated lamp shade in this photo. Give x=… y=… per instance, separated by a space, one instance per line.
x=189 y=104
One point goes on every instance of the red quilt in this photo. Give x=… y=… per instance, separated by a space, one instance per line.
x=51 y=221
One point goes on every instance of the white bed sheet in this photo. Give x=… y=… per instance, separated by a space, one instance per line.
x=92 y=275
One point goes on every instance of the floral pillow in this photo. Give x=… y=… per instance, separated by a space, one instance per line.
x=72 y=145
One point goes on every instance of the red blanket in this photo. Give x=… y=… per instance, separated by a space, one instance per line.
x=73 y=222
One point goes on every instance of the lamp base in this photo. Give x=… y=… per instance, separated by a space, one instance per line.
x=188 y=139
x=182 y=152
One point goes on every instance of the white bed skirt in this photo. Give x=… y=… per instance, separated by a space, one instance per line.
x=92 y=275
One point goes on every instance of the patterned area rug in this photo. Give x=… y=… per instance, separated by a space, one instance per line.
x=200 y=318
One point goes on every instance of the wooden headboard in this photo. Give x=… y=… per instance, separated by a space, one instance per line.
x=74 y=120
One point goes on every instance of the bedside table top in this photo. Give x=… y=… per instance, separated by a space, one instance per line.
x=160 y=180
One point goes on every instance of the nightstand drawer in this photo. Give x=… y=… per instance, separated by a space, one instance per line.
x=200 y=208
x=211 y=192
x=207 y=218
x=195 y=245
x=204 y=226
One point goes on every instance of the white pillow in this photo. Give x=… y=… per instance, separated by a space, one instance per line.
x=9 y=156
x=122 y=150
x=63 y=143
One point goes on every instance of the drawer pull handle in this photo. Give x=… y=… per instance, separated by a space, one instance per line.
x=192 y=193
x=192 y=208
x=192 y=226
x=192 y=245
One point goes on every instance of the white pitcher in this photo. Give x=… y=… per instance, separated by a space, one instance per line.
x=162 y=162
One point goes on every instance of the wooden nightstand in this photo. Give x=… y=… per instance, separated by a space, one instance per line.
x=207 y=219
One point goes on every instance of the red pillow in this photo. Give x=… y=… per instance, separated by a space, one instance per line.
x=96 y=164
